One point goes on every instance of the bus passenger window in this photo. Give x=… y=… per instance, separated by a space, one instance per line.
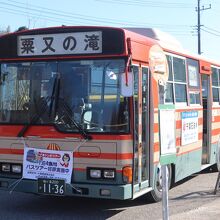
x=169 y=60
x=176 y=85
x=180 y=93
x=193 y=81
x=169 y=86
x=215 y=94
x=215 y=84
x=194 y=98
x=169 y=93
x=179 y=70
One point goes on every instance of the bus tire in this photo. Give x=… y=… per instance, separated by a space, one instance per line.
x=156 y=194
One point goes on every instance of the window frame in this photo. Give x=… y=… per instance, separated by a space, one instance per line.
x=174 y=83
x=217 y=87
x=193 y=89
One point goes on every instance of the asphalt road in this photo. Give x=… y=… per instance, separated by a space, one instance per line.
x=192 y=199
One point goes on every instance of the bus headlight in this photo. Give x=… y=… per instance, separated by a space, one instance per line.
x=109 y=174
x=16 y=168
x=95 y=174
x=5 y=167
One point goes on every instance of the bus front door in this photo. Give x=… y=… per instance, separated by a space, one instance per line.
x=141 y=130
x=207 y=118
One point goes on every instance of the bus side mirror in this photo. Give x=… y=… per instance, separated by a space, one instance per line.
x=126 y=84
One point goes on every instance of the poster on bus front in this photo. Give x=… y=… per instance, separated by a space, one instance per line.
x=189 y=127
x=48 y=164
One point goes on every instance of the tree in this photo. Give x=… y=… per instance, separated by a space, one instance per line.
x=5 y=30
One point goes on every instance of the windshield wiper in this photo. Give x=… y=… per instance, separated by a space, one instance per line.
x=55 y=96
x=53 y=110
x=59 y=104
x=43 y=103
x=65 y=111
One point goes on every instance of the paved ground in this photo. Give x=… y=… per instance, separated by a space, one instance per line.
x=191 y=200
x=209 y=210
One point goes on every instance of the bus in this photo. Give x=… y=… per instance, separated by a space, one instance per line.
x=94 y=112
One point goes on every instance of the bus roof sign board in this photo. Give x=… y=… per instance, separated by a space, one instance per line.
x=60 y=43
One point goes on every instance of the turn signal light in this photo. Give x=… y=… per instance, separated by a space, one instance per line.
x=127 y=174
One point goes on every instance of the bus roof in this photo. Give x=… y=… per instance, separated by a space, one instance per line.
x=147 y=36
x=164 y=39
x=169 y=43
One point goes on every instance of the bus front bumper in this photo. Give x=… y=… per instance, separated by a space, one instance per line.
x=107 y=191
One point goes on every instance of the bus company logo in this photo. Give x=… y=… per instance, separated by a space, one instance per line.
x=53 y=146
x=33 y=156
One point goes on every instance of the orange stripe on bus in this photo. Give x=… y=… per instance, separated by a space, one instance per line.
x=119 y=171
x=188 y=110
x=182 y=110
x=216 y=118
x=125 y=156
x=76 y=154
x=80 y=169
x=178 y=142
x=188 y=151
x=156 y=127
x=106 y=156
x=50 y=132
x=215 y=131
x=157 y=161
x=11 y=151
x=156 y=147
x=178 y=125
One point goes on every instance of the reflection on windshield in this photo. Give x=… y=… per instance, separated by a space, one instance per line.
x=89 y=90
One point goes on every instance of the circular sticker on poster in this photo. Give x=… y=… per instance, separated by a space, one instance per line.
x=158 y=64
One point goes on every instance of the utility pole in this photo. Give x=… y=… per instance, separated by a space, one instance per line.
x=198 y=10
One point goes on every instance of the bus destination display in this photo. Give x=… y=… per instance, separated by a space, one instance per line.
x=61 y=43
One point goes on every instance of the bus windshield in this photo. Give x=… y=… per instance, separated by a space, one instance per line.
x=67 y=94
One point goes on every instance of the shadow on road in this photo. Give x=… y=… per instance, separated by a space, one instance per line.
x=195 y=195
x=61 y=207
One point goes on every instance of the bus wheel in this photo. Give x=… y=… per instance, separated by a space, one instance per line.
x=156 y=194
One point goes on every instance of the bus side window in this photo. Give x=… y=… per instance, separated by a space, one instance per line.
x=169 y=85
x=215 y=85
x=179 y=72
x=193 y=81
x=176 y=84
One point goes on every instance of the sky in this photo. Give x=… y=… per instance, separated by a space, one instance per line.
x=176 y=17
